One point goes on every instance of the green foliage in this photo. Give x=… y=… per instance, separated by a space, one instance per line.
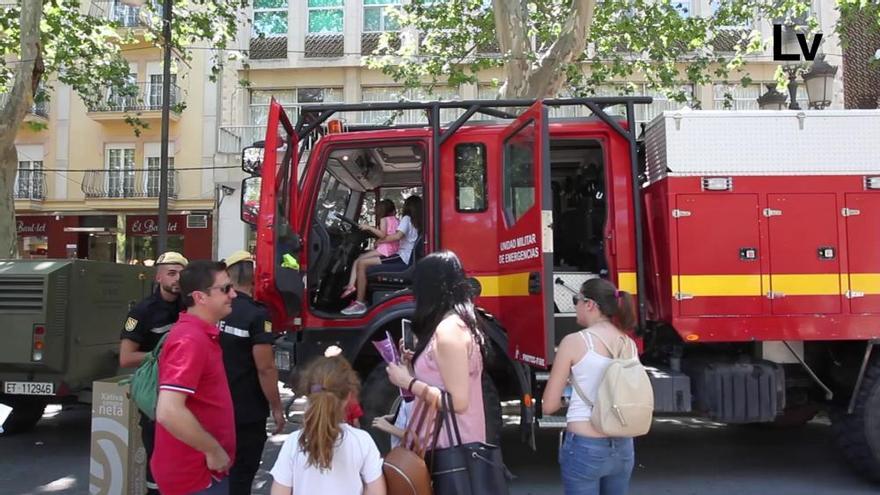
x=83 y=48
x=650 y=38
x=854 y=11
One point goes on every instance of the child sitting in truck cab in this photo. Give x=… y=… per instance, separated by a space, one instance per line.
x=386 y=213
x=407 y=233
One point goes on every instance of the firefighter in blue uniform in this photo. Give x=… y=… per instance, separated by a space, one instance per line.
x=147 y=322
x=246 y=338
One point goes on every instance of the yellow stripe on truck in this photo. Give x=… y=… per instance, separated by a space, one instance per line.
x=516 y=284
x=869 y=283
x=718 y=285
x=626 y=281
x=816 y=284
x=790 y=284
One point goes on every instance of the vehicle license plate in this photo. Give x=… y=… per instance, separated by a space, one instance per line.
x=29 y=388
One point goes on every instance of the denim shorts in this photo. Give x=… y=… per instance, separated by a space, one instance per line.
x=596 y=466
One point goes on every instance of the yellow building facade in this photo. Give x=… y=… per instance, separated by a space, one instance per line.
x=88 y=185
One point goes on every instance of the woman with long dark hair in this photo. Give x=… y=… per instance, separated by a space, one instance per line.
x=408 y=231
x=449 y=353
x=592 y=463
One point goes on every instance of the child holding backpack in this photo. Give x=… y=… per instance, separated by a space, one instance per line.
x=612 y=400
x=328 y=456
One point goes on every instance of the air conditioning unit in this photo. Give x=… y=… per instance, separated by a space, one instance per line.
x=197 y=221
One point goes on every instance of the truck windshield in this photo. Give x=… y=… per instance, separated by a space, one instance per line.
x=333 y=201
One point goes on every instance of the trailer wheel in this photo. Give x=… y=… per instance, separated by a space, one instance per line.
x=26 y=412
x=858 y=434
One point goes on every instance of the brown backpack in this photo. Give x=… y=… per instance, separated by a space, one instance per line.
x=405 y=470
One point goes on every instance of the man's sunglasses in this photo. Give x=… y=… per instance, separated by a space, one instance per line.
x=222 y=288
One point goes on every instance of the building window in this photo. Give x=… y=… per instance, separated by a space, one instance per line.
x=270 y=18
x=377 y=17
x=646 y=113
x=683 y=7
x=290 y=99
x=29 y=182
x=120 y=172
x=326 y=16
x=399 y=93
x=470 y=178
x=154 y=91
x=154 y=165
x=746 y=97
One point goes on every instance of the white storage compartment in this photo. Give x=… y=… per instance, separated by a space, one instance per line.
x=763 y=142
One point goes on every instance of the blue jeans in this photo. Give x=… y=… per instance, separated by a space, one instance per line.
x=217 y=488
x=596 y=466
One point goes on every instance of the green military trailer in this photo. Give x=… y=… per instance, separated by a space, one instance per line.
x=59 y=330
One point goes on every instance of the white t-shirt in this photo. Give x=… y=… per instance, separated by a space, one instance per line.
x=356 y=461
x=410 y=236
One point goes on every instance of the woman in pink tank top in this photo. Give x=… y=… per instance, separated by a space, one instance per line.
x=448 y=356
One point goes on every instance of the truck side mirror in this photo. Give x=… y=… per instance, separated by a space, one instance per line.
x=252 y=159
x=250 y=199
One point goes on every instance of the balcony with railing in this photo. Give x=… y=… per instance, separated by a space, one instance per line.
x=39 y=111
x=30 y=185
x=127 y=184
x=144 y=98
x=116 y=11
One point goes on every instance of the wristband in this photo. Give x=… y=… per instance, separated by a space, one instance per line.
x=410 y=386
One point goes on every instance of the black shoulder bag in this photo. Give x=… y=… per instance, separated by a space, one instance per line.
x=466 y=469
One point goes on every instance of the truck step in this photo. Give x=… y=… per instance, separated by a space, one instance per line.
x=552 y=422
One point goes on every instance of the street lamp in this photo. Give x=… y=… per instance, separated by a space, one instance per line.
x=820 y=83
x=166 y=117
x=772 y=99
x=792 y=69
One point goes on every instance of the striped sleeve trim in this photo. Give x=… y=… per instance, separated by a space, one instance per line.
x=177 y=388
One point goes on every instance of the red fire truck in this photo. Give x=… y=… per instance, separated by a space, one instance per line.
x=750 y=240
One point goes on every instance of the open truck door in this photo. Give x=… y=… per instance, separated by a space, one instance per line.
x=277 y=279
x=525 y=238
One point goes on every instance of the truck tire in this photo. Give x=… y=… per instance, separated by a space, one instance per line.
x=379 y=397
x=26 y=412
x=858 y=434
x=492 y=408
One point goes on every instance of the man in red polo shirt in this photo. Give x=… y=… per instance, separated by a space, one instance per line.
x=195 y=434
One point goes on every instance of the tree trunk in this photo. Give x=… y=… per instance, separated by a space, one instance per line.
x=19 y=100
x=8 y=234
x=545 y=77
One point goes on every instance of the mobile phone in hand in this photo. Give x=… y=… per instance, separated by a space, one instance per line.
x=407 y=334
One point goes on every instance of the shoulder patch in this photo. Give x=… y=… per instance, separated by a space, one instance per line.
x=130 y=324
x=267 y=326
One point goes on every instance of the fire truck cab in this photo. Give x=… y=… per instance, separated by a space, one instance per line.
x=749 y=239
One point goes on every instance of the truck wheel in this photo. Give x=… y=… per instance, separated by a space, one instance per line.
x=492 y=408
x=858 y=434
x=378 y=398
x=26 y=412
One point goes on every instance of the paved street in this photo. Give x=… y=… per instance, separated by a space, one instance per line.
x=680 y=456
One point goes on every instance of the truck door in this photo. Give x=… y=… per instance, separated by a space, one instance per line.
x=863 y=240
x=719 y=265
x=804 y=257
x=280 y=287
x=525 y=237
